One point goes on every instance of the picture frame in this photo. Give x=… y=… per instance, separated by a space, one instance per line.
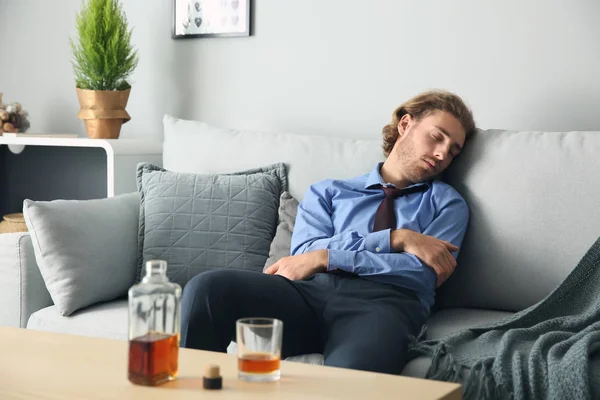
x=211 y=18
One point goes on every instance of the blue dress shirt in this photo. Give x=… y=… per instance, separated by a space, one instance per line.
x=338 y=215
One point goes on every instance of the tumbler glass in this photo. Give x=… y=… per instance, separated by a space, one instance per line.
x=259 y=349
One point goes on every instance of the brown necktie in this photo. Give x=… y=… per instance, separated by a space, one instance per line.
x=385 y=217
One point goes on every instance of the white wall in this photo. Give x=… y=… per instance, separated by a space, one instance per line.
x=333 y=67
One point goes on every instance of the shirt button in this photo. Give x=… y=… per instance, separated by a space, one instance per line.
x=377 y=249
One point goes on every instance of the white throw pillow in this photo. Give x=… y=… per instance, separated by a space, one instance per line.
x=196 y=147
x=86 y=249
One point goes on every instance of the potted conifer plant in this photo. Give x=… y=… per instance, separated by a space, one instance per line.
x=103 y=60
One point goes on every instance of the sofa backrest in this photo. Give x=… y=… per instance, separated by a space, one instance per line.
x=532 y=197
x=196 y=147
x=534 y=211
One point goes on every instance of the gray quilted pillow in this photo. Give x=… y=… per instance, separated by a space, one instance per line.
x=202 y=222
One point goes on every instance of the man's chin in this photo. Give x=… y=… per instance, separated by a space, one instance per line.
x=426 y=178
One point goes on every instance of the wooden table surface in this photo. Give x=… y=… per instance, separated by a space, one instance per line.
x=45 y=365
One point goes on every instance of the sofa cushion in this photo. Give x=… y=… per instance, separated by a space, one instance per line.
x=86 y=250
x=109 y=320
x=533 y=198
x=191 y=146
x=440 y=324
x=446 y=322
x=451 y=320
x=202 y=222
x=281 y=246
x=104 y=320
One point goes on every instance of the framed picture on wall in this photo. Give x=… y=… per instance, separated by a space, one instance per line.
x=211 y=18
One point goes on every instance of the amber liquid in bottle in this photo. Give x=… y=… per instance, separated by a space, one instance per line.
x=153 y=358
x=258 y=363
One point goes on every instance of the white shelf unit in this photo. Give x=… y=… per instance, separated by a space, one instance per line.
x=46 y=168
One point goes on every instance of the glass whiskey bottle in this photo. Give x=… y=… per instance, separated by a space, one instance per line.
x=154 y=323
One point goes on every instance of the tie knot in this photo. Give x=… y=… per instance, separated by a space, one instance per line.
x=391 y=191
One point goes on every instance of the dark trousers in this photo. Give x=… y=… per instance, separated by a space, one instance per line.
x=353 y=322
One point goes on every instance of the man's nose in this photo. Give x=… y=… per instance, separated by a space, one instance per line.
x=442 y=152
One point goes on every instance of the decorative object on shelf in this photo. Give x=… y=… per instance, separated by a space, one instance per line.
x=211 y=18
x=41 y=135
x=13 y=119
x=12 y=223
x=103 y=60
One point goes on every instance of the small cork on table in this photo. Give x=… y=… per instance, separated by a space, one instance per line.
x=212 y=379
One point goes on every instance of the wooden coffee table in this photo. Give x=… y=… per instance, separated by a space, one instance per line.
x=44 y=365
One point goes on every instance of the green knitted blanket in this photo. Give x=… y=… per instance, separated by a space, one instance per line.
x=547 y=351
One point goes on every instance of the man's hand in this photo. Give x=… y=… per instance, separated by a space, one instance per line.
x=432 y=251
x=300 y=266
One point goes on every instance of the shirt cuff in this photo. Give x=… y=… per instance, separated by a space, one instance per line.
x=340 y=259
x=378 y=242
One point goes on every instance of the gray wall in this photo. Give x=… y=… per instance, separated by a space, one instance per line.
x=333 y=67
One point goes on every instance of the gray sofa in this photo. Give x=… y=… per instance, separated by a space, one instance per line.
x=532 y=195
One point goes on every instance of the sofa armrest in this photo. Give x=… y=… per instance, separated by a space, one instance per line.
x=22 y=289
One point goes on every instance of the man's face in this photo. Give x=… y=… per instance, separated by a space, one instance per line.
x=425 y=148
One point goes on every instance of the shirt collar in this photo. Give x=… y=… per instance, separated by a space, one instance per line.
x=374 y=179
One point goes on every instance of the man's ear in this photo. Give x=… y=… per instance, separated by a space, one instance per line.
x=404 y=123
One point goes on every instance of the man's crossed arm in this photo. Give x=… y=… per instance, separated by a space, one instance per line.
x=430 y=250
x=315 y=248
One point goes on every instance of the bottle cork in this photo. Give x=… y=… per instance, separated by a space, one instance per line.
x=212 y=379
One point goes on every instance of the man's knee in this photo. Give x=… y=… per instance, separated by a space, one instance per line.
x=206 y=309
x=206 y=283
x=204 y=279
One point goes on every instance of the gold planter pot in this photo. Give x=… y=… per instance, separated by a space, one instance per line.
x=12 y=223
x=103 y=112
